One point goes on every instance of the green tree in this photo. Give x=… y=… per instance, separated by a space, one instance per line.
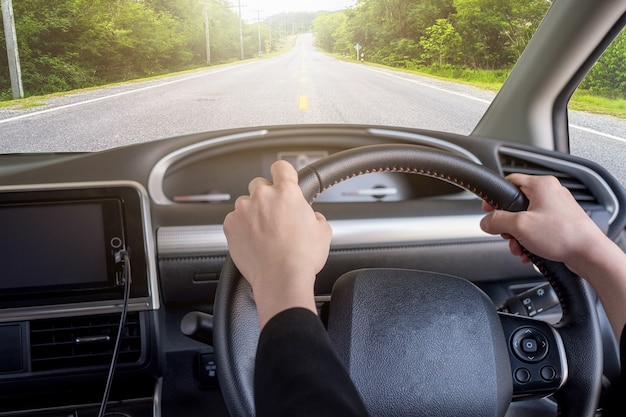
x=67 y=44
x=391 y=29
x=495 y=32
x=608 y=75
x=328 y=28
x=441 y=44
x=402 y=53
x=343 y=38
x=424 y=14
x=46 y=32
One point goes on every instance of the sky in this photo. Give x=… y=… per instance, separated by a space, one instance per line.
x=272 y=7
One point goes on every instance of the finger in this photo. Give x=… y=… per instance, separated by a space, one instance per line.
x=499 y=222
x=241 y=199
x=487 y=207
x=520 y=180
x=229 y=225
x=322 y=220
x=227 y=222
x=516 y=248
x=319 y=216
x=526 y=183
x=532 y=184
x=256 y=183
x=283 y=171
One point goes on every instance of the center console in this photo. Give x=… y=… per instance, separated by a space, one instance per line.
x=61 y=295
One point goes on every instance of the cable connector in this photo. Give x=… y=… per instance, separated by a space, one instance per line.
x=120 y=256
x=122 y=262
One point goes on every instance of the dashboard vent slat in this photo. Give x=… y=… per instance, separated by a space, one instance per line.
x=76 y=342
x=513 y=164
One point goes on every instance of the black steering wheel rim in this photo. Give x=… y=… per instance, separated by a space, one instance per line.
x=236 y=324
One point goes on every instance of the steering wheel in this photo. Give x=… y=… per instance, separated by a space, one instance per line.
x=433 y=344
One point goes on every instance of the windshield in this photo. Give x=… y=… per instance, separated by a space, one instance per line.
x=98 y=74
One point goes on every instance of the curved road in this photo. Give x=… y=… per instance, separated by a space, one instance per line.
x=301 y=86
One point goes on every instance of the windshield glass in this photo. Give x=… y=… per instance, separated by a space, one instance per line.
x=98 y=74
x=597 y=114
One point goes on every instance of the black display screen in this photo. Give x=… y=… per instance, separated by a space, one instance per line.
x=59 y=245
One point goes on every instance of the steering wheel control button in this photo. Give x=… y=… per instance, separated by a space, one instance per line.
x=522 y=375
x=529 y=344
x=548 y=373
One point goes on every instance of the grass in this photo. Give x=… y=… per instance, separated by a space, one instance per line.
x=26 y=103
x=493 y=80
x=591 y=103
x=486 y=79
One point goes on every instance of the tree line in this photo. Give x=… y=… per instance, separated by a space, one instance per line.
x=69 y=44
x=453 y=34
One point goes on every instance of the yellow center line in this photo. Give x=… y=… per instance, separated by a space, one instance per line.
x=303 y=103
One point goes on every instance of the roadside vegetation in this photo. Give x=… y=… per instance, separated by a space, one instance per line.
x=474 y=41
x=71 y=44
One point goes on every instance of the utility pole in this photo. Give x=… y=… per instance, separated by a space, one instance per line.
x=258 y=16
x=206 y=32
x=240 y=31
x=15 y=73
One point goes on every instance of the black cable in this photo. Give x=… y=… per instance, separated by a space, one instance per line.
x=126 y=279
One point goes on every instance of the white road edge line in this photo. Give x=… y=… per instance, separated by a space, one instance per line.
x=123 y=93
x=429 y=86
x=595 y=132
x=584 y=129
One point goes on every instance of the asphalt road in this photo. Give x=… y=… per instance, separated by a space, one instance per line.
x=301 y=86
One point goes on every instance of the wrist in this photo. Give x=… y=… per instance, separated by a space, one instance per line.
x=595 y=257
x=272 y=298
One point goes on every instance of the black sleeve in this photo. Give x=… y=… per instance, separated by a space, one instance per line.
x=298 y=373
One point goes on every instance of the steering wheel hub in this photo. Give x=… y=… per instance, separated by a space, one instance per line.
x=420 y=343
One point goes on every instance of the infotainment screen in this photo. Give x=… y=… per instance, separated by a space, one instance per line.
x=63 y=245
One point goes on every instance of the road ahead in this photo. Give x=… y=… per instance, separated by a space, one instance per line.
x=301 y=86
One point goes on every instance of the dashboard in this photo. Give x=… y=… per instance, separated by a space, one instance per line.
x=67 y=218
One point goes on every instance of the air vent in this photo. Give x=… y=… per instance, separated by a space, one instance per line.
x=514 y=164
x=77 y=342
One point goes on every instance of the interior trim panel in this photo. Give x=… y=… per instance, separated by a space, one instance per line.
x=177 y=241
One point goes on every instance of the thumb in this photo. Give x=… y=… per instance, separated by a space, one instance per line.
x=500 y=222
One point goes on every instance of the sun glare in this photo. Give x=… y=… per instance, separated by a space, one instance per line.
x=272 y=7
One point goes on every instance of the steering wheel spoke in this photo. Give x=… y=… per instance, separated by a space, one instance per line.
x=537 y=356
